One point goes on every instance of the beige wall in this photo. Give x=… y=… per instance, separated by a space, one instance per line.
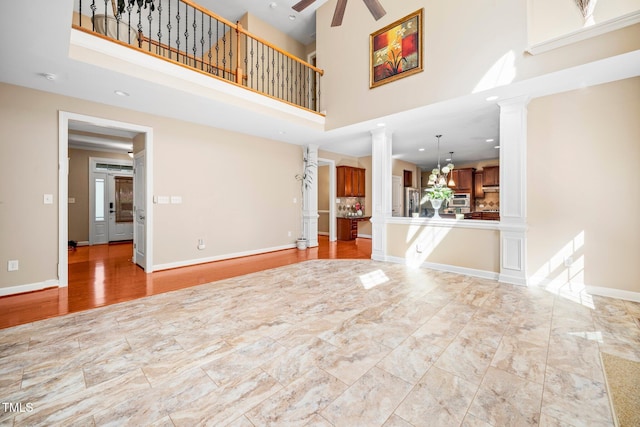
x=469 y=47
x=79 y=190
x=460 y=247
x=237 y=190
x=258 y=27
x=399 y=166
x=583 y=154
x=548 y=19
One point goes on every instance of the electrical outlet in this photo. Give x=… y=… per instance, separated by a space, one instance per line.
x=288 y=234
x=13 y=265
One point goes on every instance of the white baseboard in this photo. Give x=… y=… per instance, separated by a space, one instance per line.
x=323 y=233
x=187 y=263
x=365 y=236
x=83 y=243
x=512 y=280
x=448 y=268
x=20 y=289
x=613 y=293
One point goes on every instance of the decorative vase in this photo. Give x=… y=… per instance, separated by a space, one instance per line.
x=436 y=203
x=301 y=243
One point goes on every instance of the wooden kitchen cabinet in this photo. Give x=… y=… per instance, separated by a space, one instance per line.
x=351 y=181
x=464 y=179
x=479 y=182
x=348 y=227
x=491 y=176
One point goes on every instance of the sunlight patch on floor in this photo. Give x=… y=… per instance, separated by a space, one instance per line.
x=373 y=279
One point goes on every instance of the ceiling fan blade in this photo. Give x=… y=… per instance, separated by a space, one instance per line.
x=302 y=5
x=338 y=14
x=375 y=8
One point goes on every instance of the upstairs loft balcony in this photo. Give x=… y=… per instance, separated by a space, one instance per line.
x=184 y=33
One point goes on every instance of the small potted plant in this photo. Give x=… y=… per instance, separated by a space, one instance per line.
x=122 y=4
x=306 y=179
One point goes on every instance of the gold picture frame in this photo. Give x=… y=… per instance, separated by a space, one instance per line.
x=395 y=51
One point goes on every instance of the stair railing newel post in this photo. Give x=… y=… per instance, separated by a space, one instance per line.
x=238 y=53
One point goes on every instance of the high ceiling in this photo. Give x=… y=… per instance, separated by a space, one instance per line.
x=465 y=123
x=278 y=13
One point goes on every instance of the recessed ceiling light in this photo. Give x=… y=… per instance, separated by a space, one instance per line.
x=497 y=146
x=381 y=125
x=292 y=17
x=120 y=93
x=490 y=140
x=281 y=132
x=273 y=5
x=49 y=76
x=420 y=149
x=492 y=98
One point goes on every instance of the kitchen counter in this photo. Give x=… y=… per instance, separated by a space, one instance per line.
x=491 y=215
x=348 y=226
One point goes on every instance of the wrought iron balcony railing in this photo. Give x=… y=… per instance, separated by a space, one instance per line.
x=192 y=36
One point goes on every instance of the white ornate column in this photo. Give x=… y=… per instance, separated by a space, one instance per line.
x=381 y=191
x=310 y=201
x=513 y=191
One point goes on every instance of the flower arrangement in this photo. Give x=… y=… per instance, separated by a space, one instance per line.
x=439 y=193
x=122 y=4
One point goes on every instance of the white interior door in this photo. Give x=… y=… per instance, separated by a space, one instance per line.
x=140 y=214
x=120 y=208
x=397 y=194
x=98 y=212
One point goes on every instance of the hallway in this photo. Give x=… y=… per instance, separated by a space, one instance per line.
x=103 y=275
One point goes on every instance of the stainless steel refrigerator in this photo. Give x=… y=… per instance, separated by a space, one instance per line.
x=411 y=201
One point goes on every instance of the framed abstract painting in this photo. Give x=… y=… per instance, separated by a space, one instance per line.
x=396 y=50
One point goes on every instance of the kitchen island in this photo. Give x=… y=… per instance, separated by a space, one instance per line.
x=348 y=226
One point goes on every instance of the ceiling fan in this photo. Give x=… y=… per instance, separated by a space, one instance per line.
x=374 y=7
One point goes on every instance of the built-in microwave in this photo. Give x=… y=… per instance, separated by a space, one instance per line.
x=460 y=200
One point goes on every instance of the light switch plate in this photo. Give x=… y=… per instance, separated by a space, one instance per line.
x=176 y=200
x=13 y=265
x=48 y=199
x=72 y=199
x=163 y=200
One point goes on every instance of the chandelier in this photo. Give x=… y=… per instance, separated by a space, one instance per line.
x=439 y=175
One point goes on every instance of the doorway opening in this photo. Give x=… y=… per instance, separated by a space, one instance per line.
x=326 y=199
x=111 y=201
x=103 y=135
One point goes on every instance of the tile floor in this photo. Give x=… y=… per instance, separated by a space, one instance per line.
x=322 y=343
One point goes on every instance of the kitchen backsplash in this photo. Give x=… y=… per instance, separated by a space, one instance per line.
x=348 y=206
x=490 y=202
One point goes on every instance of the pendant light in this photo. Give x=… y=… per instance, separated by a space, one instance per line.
x=451 y=183
x=438 y=177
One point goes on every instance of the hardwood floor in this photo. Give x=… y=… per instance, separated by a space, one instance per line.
x=103 y=275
